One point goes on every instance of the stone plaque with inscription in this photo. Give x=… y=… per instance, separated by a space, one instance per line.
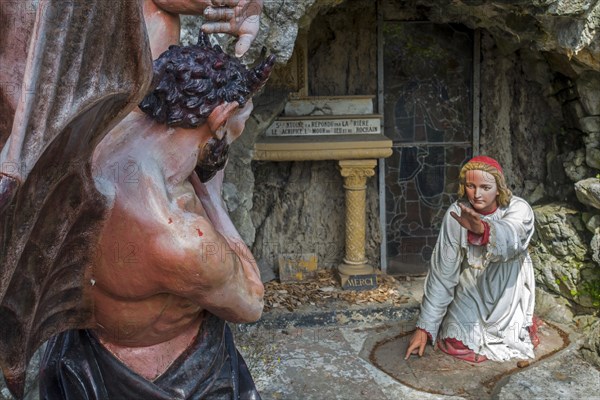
x=359 y=282
x=326 y=125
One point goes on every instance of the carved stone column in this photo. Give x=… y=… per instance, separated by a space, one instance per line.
x=355 y=174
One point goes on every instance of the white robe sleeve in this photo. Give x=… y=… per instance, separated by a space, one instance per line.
x=510 y=235
x=444 y=273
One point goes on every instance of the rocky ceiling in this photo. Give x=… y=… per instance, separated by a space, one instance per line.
x=570 y=29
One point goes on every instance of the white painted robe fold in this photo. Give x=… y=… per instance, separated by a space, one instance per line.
x=483 y=295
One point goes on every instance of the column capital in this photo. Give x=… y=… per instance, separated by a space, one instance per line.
x=364 y=168
x=356 y=172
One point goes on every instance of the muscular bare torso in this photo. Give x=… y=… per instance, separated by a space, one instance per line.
x=168 y=251
x=147 y=335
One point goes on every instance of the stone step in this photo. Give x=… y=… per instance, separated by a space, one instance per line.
x=340 y=317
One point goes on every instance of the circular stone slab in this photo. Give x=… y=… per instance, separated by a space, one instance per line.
x=439 y=373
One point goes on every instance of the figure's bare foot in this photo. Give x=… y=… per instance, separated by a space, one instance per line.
x=533 y=331
x=458 y=349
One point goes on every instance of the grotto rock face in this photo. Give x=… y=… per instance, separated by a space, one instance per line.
x=332 y=69
x=588 y=192
x=516 y=120
x=591 y=347
x=292 y=213
x=239 y=177
x=561 y=255
x=566 y=28
x=300 y=209
x=595 y=247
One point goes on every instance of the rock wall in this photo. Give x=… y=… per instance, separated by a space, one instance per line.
x=300 y=208
x=343 y=52
x=520 y=118
x=293 y=215
x=560 y=253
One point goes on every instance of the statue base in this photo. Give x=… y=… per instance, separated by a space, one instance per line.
x=357 y=277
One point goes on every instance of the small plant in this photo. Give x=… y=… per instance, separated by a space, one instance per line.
x=592 y=289
x=588 y=288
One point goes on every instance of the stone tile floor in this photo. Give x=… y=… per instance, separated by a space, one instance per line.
x=332 y=363
x=292 y=358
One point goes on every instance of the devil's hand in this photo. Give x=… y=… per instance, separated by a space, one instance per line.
x=241 y=20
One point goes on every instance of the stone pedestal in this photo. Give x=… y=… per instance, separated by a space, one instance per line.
x=355 y=272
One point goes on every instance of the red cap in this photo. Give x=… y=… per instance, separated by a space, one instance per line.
x=487 y=160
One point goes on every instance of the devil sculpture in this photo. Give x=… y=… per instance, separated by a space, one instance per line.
x=114 y=241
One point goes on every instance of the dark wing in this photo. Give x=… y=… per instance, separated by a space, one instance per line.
x=88 y=64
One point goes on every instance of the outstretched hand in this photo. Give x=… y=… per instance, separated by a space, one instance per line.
x=469 y=219
x=236 y=17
